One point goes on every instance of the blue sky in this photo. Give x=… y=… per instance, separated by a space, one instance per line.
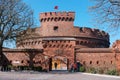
x=83 y=17
x=80 y=7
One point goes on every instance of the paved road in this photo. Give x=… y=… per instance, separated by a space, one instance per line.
x=54 y=76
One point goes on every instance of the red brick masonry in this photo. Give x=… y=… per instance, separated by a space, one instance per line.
x=58 y=37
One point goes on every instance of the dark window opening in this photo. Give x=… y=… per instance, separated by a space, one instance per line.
x=66 y=46
x=28 y=61
x=53 y=45
x=50 y=13
x=97 y=62
x=90 y=62
x=22 y=61
x=10 y=61
x=34 y=62
x=40 y=62
x=84 y=62
x=111 y=62
x=55 y=28
x=50 y=45
x=45 y=14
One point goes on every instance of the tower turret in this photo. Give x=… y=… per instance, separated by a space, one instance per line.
x=57 y=23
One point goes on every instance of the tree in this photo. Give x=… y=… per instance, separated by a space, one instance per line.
x=108 y=12
x=15 y=16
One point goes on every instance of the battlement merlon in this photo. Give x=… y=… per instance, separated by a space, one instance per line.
x=57 y=14
x=94 y=33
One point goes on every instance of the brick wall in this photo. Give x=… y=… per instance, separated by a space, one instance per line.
x=103 y=59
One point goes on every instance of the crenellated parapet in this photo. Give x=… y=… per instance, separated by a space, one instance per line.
x=30 y=43
x=116 y=44
x=94 y=33
x=56 y=16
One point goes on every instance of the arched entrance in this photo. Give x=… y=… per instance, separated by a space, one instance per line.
x=58 y=63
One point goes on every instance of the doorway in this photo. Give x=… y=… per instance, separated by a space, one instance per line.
x=58 y=63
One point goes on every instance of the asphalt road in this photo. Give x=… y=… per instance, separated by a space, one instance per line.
x=54 y=76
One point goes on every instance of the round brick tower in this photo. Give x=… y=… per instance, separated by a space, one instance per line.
x=58 y=26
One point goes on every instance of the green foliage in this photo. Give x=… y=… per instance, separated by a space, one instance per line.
x=23 y=67
x=10 y=67
x=82 y=69
x=92 y=70
x=112 y=72
x=39 y=68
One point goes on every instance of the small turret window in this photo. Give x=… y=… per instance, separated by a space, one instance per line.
x=55 y=28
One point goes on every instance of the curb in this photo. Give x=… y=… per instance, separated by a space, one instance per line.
x=102 y=75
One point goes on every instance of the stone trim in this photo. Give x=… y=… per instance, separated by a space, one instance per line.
x=96 y=50
x=22 y=50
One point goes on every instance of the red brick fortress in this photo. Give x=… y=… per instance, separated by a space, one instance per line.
x=58 y=41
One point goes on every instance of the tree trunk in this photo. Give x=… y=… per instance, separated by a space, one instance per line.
x=31 y=56
x=1 y=56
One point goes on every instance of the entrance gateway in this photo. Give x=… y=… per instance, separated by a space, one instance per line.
x=58 y=63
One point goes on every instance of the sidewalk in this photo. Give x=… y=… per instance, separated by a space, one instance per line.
x=54 y=76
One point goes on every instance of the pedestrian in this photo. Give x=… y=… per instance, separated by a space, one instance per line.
x=78 y=66
x=75 y=67
x=55 y=65
x=72 y=68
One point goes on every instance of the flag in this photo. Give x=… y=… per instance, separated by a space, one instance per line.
x=56 y=7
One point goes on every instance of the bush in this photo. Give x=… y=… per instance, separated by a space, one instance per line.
x=92 y=70
x=112 y=72
x=10 y=67
x=24 y=67
x=38 y=68
x=82 y=69
x=44 y=70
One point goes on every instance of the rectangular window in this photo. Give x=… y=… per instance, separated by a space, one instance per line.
x=55 y=28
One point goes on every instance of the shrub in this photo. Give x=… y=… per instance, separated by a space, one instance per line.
x=24 y=67
x=10 y=67
x=92 y=70
x=82 y=69
x=39 y=68
x=112 y=72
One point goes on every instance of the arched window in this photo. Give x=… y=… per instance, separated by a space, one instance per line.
x=71 y=19
x=90 y=62
x=22 y=61
x=84 y=62
x=51 y=18
x=48 y=19
x=66 y=19
x=111 y=62
x=55 y=19
x=45 y=19
x=41 y=20
x=45 y=14
x=97 y=62
x=59 y=18
x=28 y=61
x=63 y=19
